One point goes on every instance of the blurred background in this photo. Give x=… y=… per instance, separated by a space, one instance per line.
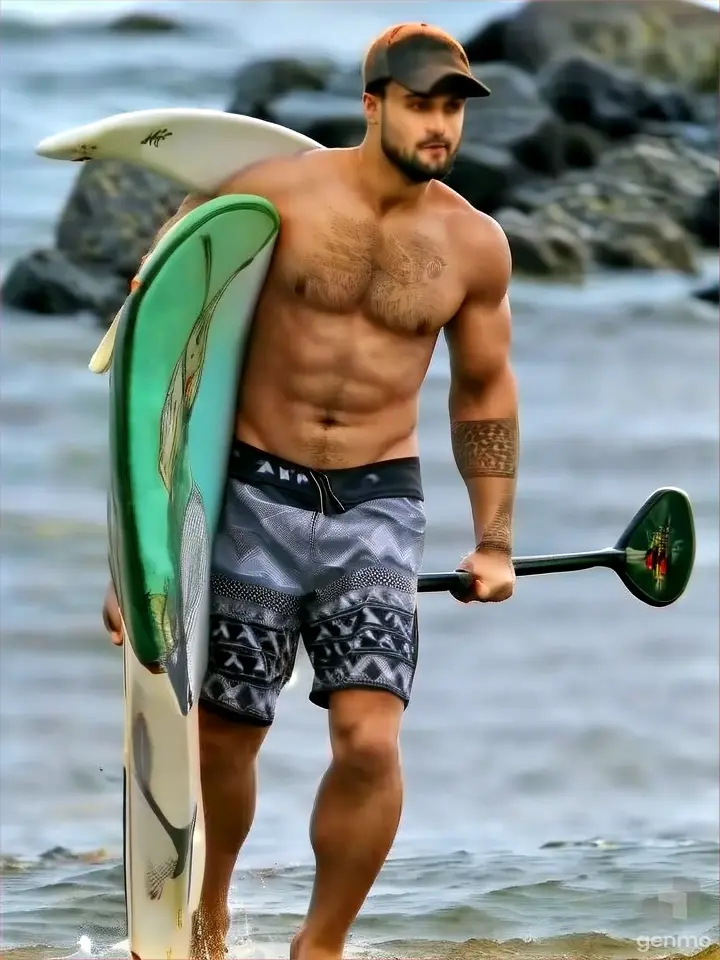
x=561 y=750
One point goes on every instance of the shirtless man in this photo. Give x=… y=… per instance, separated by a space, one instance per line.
x=323 y=524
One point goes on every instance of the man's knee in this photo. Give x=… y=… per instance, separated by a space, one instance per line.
x=227 y=743
x=364 y=727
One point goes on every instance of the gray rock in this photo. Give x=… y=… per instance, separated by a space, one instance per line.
x=47 y=282
x=113 y=213
x=669 y=40
x=109 y=221
x=663 y=103
x=346 y=82
x=331 y=119
x=649 y=241
x=674 y=176
x=550 y=250
x=707 y=108
x=516 y=119
x=261 y=81
x=698 y=136
x=710 y=293
x=582 y=146
x=583 y=89
x=704 y=218
x=145 y=23
x=489 y=44
x=635 y=209
x=486 y=176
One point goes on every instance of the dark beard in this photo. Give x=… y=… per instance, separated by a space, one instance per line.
x=411 y=167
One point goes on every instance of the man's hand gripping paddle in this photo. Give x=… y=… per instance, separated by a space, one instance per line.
x=653 y=556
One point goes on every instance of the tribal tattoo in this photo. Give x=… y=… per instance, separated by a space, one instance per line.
x=497 y=535
x=486 y=448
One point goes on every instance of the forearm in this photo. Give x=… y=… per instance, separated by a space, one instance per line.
x=485 y=443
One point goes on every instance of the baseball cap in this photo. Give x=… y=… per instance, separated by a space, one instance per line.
x=420 y=57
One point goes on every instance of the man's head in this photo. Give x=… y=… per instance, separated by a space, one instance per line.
x=416 y=79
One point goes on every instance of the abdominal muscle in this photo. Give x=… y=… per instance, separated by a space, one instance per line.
x=329 y=391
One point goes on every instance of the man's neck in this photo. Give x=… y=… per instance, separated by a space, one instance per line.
x=382 y=183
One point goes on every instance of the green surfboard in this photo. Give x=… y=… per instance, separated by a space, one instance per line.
x=177 y=361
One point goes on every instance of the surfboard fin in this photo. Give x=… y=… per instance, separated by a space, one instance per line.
x=102 y=358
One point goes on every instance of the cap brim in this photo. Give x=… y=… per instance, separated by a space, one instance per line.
x=436 y=82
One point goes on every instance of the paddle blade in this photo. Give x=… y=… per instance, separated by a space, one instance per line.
x=659 y=548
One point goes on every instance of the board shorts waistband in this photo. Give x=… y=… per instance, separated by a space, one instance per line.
x=326 y=491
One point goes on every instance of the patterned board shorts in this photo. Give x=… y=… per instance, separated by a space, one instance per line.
x=331 y=558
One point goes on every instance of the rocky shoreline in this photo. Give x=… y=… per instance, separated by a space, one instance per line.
x=597 y=148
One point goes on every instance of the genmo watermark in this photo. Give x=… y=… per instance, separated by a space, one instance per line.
x=676 y=942
x=669 y=907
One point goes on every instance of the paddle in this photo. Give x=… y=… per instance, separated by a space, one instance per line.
x=653 y=556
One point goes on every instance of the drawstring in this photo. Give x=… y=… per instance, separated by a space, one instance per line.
x=325 y=485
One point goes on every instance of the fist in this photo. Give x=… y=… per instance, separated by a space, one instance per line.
x=493 y=576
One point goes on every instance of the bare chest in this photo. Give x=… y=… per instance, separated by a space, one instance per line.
x=400 y=278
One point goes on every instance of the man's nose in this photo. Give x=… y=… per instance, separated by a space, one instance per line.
x=436 y=127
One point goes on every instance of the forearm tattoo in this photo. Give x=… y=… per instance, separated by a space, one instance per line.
x=485 y=448
x=489 y=448
x=497 y=535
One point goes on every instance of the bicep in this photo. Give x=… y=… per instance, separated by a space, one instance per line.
x=479 y=336
x=479 y=340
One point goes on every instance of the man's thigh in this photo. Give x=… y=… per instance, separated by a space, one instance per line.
x=259 y=554
x=359 y=625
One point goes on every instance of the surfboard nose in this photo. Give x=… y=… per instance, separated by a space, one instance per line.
x=67 y=145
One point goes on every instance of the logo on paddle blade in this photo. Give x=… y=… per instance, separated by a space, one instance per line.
x=657 y=555
x=659 y=547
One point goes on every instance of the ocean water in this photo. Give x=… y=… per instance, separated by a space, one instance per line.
x=561 y=750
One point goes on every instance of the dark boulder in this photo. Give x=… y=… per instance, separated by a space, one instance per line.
x=485 y=176
x=47 y=282
x=633 y=208
x=668 y=173
x=515 y=118
x=662 y=103
x=346 y=82
x=583 y=89
x=331 y=119
x=109 y=221
x=145 y=23
x=550 y=250
x=706 y=139
x=704 y=218
x=582 y=146
x=669 y=40
x=113 y=213
x=644 y=240
x=262 y=81
x=710 y=293
x=489 y=44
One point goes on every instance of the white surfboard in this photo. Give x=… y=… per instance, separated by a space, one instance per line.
x=164 y=825
x=195 y=147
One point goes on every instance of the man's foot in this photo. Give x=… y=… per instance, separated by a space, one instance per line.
x=209 y=936
x=300 y=949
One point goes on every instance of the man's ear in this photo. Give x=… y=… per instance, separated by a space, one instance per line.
x=371 y=108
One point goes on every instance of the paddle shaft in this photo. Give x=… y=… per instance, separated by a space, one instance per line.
x=527 y=566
